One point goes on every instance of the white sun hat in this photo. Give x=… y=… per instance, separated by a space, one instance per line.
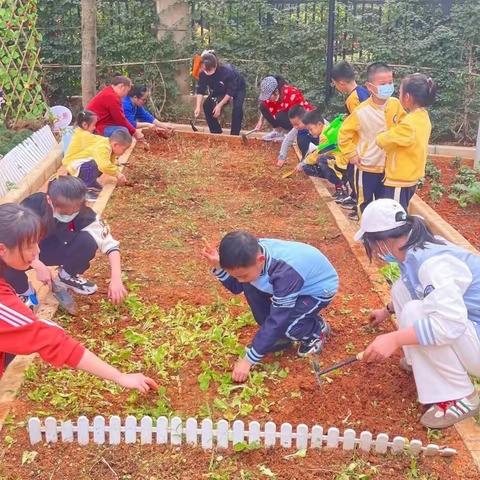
x=380 y=216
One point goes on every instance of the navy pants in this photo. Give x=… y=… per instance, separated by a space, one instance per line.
x=280 y=120
x=304 y=139
x=237 y=113
x=322 y=170
x=306 y=323
x=74 y=256
x=402 y=195
x=350 y=179
x=89 y=173
x=369 y=187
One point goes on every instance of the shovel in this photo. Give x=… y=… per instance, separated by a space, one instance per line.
x=246 y=135
x=192 y=124
x=64 y=299
x=319 y=372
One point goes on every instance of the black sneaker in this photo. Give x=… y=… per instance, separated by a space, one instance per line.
x=349 y=203
x=76 y=283
x=315 y=345
x=91 y=195
x=341 y=197
x=96 y=187
x=353 y=215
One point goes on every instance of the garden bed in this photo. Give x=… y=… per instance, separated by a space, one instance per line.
x=185 y=330
x=447 y=178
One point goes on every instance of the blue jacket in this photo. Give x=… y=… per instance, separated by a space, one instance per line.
x=136 y=114
x=291 y=270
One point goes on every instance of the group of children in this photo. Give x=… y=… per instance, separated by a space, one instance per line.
x=286 y=284
x=382 y=144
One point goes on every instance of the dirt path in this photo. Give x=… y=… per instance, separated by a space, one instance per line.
x=185 y=189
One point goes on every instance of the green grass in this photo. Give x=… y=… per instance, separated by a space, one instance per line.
x=11 y=138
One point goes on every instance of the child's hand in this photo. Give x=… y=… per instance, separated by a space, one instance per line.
x=121 y=180
x=376 y=317
x=211 y=254
x=196 y=113
x=241 y=370
x=139 y=135
x=381 y=348
x=116 y=291
x=44 y=274
x=355 y=160
x=259 y=124
x=137 y=381
x=299 y=167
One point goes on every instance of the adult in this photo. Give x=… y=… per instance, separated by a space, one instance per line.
x=107 y=105
x=225 y=85
x=437 y=304
x=136 y=113
x=276 y=99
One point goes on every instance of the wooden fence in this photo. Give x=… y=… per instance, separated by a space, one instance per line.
x=161 y=431
x=24 y=157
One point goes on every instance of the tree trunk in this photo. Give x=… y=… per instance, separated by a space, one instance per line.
x=89 y=50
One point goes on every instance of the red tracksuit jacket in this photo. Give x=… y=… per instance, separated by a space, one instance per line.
x=21 y=333
x=109 y=109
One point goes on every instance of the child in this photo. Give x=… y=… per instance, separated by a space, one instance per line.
x=21 y=333
x=72 y=233
x=406 y=144
x=357 y=137
x=89 y=155
x=286 y=285
x=343 y=78
x=276 y=99
x=86 y=120
x=299 y=132
x=322 y=165
x=437 y=304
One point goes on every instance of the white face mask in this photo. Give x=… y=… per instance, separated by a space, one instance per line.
x=64 y=218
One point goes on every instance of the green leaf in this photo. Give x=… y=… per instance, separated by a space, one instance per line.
x=28 y=457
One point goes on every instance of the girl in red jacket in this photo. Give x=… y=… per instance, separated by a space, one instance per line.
x=21 y=333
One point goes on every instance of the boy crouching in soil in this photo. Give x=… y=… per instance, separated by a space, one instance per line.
x=286 y=284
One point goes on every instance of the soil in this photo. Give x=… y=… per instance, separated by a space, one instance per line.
x=464 y=220
x=190 y=187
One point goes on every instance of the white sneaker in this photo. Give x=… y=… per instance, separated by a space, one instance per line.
x=77 y=283
x=273 y=136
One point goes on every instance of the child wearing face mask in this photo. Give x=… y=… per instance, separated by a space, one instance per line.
x=89 y=155
x=71 y=235
x=406 y=144
x=357 y=137
x=21 y=332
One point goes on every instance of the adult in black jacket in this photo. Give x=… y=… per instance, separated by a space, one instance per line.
x=225 y=84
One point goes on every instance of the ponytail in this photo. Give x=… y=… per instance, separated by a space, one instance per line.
x=421 y=88
x=86 y=116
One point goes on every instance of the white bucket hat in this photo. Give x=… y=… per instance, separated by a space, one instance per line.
x=267 y=86
x=380 y=216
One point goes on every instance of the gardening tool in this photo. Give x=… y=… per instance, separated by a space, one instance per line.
x=246 y=135
x=192 y=124
x=319 y=372
x=65 y=300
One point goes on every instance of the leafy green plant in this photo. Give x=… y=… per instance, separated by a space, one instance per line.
x=436 y=192
x=466 y=187
x=391 y=272
x=432 y=172
x=358 y=469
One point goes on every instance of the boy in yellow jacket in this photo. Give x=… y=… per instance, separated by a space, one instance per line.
x=344 y=80
x=406 y=144
x=89 y=155
x=357 y=137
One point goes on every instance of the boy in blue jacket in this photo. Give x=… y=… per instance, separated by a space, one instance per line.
x=286 y=284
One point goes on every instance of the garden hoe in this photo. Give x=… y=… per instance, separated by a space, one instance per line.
x=246 y=135
x=64 y=299
x=319 y=372
x=192 y=124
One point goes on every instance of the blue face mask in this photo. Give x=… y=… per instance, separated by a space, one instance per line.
x=387 y=257
x=385 y=91
x=64 y=218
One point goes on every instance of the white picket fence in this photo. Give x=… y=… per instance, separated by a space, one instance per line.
x=25 y=156
x=206 y=434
